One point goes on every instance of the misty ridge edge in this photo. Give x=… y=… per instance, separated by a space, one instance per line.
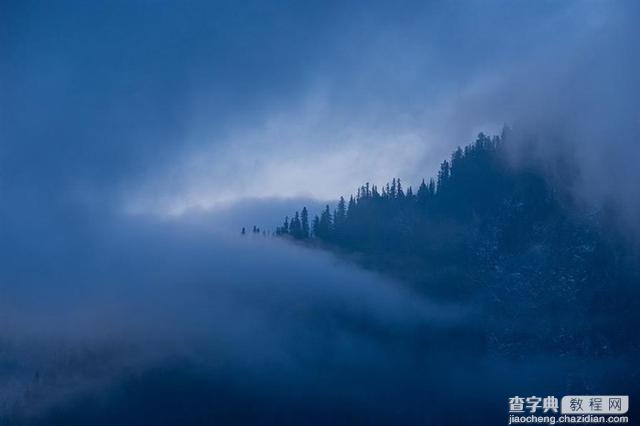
x=511 y=233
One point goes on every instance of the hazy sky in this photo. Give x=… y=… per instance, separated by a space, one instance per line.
x=159 y=107
x=115 y=112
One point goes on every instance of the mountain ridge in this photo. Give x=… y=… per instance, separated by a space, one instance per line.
x=511 y=237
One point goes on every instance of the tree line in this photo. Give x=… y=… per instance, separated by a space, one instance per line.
x=372 y=210
x=481 y=225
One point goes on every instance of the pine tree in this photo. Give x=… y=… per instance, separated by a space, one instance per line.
x=351 y=209
x=324 y=228
x=443 y=175
x=423 y=193
x=374 y=192
x=399 y=192
x=295 y=227
x=304 y=219
x=455 y=158
x=341 y=213
x=432 y=187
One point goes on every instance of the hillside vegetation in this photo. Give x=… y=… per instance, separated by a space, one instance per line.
x=547 y=273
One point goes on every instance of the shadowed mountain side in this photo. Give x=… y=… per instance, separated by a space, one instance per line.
x=513 y=237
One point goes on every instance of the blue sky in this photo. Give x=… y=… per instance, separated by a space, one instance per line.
x=164 y=107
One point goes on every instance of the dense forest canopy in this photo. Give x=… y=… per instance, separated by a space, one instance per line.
x=484 y=229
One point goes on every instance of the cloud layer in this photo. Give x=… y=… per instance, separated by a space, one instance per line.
x=164 y=108
x=172 y=322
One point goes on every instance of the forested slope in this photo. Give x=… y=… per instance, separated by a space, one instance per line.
x=547 y=270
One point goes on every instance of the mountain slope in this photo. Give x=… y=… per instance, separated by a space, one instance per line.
x=548 y=273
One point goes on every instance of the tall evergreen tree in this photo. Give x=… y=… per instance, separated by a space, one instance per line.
x=443 y=175
x=295 y=227
x=423 y=193
x=351 y=209
x=316 y=226
x=341 y=213
x=432 y=187
x=399 y=192
x=324 y=228
x=304 y=219
x=455 y=158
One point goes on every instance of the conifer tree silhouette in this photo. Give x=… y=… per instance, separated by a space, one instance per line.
x=316 y=226
x=304 y=219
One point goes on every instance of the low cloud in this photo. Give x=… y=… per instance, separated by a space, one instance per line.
x=146 y=293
